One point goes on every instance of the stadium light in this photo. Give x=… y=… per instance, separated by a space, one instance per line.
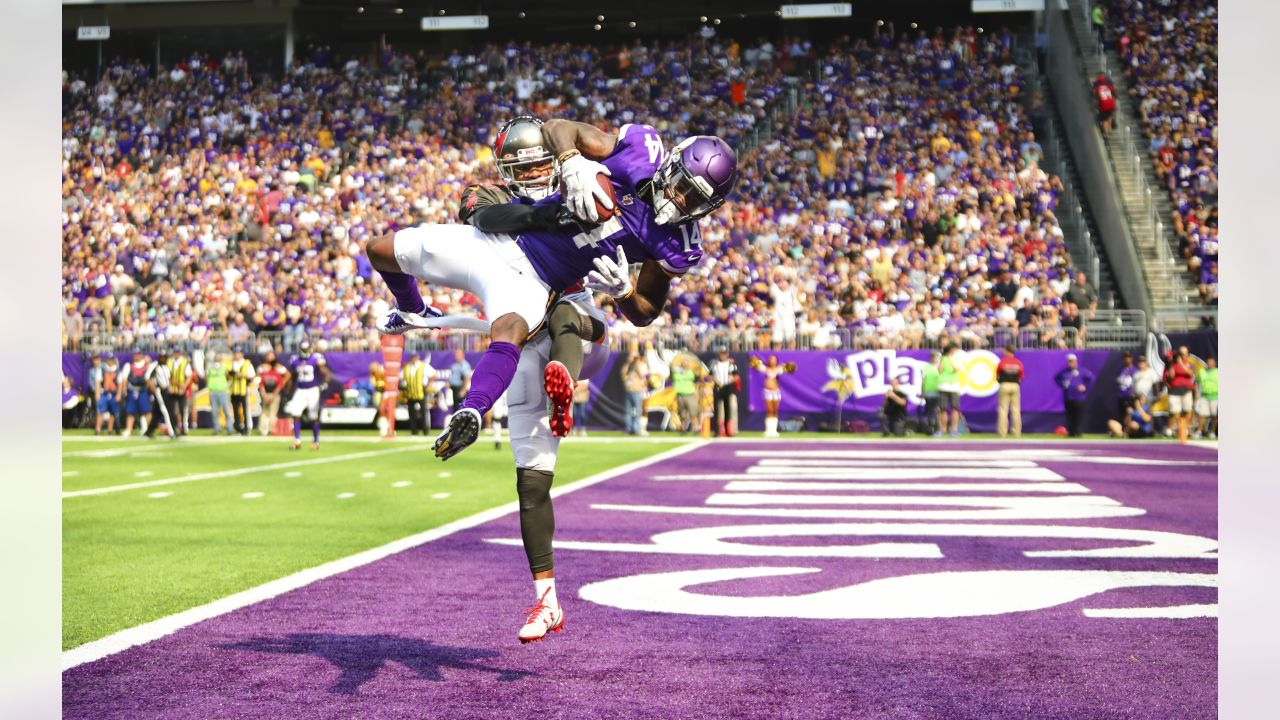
x=914 y=26
x=702 y=19
x=599 y=18
x=879 y=23
x=521 y=15
x=399 y=11
x=631 y=24
x=597 y=26
x=360 y=10
x=717 y=21
x=441 y=12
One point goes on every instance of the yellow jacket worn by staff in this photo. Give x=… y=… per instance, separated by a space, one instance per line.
x=241 y=373
x=414 y=386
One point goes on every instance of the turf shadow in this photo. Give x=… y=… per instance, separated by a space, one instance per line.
x=360 y=657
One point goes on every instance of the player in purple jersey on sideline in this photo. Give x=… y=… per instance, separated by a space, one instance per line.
x=309 y=373
x=660 y=195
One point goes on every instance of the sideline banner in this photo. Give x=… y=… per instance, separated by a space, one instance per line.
x=848 y=385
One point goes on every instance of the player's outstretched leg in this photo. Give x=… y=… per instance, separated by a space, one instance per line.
x=559 y=385
x=411 y=310
x=491 y=378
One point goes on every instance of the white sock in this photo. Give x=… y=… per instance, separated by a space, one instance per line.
x=546 y=585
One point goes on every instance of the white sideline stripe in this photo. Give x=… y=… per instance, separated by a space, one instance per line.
x=233 y=473
x=773 y=485
x=156 y=629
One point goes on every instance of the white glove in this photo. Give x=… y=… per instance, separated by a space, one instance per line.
x=613 y=279
x=581 y=190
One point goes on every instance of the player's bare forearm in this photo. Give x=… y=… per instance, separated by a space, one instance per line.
x=642 y=306
x=565 y=135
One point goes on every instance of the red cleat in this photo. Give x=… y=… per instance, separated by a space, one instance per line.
x=559 y=385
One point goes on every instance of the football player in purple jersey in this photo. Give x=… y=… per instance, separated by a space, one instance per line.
x=570 y=346
x=660 y=196
x=309 y=374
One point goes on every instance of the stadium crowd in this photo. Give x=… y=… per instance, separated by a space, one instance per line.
x=1170 y=51
x=902 y=204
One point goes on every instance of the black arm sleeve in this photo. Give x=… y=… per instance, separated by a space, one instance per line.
x=510 y=218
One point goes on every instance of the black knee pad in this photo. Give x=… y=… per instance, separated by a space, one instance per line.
x=537 y=518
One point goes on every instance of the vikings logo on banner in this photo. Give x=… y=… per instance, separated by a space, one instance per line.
x=871 y=372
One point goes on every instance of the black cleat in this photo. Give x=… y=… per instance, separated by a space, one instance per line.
x=462 y=430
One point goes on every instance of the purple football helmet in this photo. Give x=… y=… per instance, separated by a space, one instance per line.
x=693 y=179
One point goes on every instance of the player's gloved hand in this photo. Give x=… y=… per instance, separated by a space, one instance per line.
x=609 y=277
x=581 y=190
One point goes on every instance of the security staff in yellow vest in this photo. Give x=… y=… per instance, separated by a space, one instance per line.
x=178 y=396
x=414 y=387
x=239 y=378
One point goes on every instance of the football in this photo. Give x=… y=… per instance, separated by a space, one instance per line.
x=601 y=210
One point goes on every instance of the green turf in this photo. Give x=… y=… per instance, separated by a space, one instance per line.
x=128 y=558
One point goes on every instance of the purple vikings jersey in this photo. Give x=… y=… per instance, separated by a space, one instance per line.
x=306 y=371
x=563 y=256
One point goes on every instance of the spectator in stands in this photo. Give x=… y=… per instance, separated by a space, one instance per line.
x=1075 y=383
x=635 y=381
x=1009 y=373
x=1083 y=296
x=72 y=326
x=1098 y=19
x=1207 y=403
x=1124 y=387
x=1105 y=95
x=1073 y=321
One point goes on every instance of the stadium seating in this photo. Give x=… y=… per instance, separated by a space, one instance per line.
x=212 y=202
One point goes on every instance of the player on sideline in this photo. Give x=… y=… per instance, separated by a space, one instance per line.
x=660 y=195
x=571 y=337
x=309 y=373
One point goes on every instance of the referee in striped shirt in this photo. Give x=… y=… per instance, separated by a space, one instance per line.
x=724 y=372
x=160 y=375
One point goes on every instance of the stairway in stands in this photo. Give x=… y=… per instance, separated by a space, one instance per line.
x=1145 y=201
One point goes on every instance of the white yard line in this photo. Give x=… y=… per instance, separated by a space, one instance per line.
x=237 y=471
x=157 y=629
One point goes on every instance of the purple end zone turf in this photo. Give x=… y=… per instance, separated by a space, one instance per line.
x=431 y=632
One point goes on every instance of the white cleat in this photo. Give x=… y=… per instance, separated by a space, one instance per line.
x=542 y=619
x=399 y=322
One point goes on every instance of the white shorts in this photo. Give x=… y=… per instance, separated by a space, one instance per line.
x=1206 y=407
x=1180 y=404
x=304 y=400
x=491 y=267
x=532 y=444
